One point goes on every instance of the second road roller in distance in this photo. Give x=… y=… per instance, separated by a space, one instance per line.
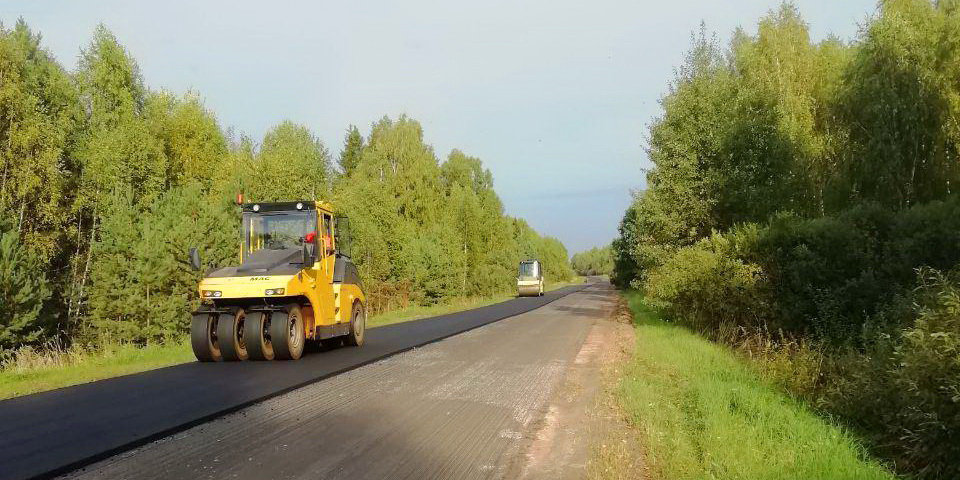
x=530 y=279
x=295 y=284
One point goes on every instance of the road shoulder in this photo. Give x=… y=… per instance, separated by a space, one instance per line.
x=583 y=432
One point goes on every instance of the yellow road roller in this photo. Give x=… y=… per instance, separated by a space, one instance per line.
x=530 y=279
x=295 y=284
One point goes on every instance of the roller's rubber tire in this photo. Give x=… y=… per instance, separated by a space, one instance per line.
x=286 y=332
x=358 y=326
x=203 y=337
x=256 y=336
x=230 y=336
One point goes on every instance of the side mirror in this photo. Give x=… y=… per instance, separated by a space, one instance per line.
x=195 y=259
x=307 y=254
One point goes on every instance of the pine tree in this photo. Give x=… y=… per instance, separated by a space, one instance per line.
x=23 y=292
x=352 y=150
x=142 y=286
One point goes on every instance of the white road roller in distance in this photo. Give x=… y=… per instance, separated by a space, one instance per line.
x=530 y=279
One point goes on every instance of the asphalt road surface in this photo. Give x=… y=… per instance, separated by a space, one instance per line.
x=460 y=408
x=50 y=433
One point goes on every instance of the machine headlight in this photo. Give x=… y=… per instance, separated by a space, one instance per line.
x=274 y=291
x=212 y=293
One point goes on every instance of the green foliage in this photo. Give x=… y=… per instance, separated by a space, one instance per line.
x=744 y=134
x=703 y=413
x=900 y=392
x=900 y=105
x=480 y=225
x=116 y=150
x=142 y=284
x=107 y=184
x=425 y=231
x=709 y=287
x=291 y=164
x=23 y=292
x=625 y=266
x=797 y=188
x=352 y=150
x=836 y=276
x=555 y=259
x=848 y=283
x=38 y=113
x=193 y=143
x=596 y=261
x=925 y=375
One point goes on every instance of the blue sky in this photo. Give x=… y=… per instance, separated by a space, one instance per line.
x=554 y=96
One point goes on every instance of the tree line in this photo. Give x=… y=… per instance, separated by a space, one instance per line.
x=595 y=261
x=803 y=206
x=105 y=184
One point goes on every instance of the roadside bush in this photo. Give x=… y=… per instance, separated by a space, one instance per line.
x=23 y=292
x=858 y=142
x=924 y=235
x=926 y=374
x=902 y=391
x=707 y=286
x=834 y=311
x=824 y=271
x=796 y=364
x=845 y=276
x=899 y=389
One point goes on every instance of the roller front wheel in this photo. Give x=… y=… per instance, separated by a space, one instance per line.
x=358 y=326
x=203 y=337
x=230 y=336
x=287 y=335
x=256 y=336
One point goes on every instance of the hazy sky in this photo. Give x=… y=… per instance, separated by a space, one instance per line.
x=554 y=96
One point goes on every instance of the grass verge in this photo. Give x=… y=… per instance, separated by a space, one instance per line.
x=37 y=370
x=703 y=413
x=32 y=370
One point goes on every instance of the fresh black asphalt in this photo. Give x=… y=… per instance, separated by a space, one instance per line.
x=45 y=434
x=477 y=406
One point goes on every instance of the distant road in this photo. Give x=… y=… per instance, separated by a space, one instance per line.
x=462 y=408
x=50 y=433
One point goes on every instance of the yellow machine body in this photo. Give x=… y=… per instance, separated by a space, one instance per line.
x=323 y=302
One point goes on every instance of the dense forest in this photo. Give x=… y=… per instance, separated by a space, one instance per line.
x=802 y=207
x=106 y=184
x=595 y=261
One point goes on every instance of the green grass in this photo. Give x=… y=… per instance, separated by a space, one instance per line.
x=702 y=414
x=46 y=369
x=37 y=370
